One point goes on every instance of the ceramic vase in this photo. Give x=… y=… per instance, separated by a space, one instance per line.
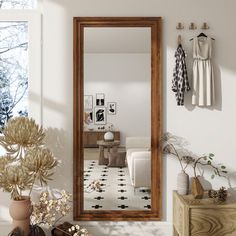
x=20 y=211
x=109 y=136
x=182 y=183
x=197 y=190
x=35 y=230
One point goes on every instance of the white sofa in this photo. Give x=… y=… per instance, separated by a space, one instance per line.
x=138 y=157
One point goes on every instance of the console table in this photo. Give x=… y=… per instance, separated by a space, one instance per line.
x=90 y=138
x=203 y=217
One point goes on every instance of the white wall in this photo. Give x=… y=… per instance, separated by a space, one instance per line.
x=126 y=80
x=208 y=130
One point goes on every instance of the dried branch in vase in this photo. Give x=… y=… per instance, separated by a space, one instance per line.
x=207 y=160
x=174 y=145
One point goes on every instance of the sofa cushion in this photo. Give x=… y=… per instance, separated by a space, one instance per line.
x=131 y=150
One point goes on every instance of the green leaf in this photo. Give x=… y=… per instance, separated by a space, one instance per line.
x=224 y=171
x=212 y=176
x=209 y=162
x=223 y=167
x=210 y=158
x=211 y=155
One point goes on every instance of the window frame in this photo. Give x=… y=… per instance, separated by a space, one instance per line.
x=34 y=19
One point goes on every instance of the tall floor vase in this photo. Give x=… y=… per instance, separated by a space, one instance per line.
x=20 y=211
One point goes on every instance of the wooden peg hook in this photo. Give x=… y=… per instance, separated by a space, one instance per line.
x=179 y=39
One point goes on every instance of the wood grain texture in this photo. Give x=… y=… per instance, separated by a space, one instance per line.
x=203 y=218
x=156 y=113
x=213 y=222
x=90 y=138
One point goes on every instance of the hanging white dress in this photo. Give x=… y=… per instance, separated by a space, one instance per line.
x=203 y=76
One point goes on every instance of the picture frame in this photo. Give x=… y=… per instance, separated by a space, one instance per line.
x=111 y=108
x=100 y=115
x=88 y=117
x=100 y=99
x=88 y=102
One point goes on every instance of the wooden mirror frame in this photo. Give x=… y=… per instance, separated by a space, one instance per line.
x=156 y=118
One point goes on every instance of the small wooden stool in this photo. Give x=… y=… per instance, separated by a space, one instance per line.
x=112 y=146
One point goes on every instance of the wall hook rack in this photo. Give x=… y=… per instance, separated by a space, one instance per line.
x=179 y=26
x=192 y=26
x=205 y=26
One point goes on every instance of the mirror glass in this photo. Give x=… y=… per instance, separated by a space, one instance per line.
x=117 y=118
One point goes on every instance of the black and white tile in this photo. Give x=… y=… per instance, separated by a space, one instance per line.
x=117 y=192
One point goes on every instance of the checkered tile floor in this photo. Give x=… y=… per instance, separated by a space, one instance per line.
x=117 y=192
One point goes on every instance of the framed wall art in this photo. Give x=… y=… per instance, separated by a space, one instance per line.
x=88 y=102
x=100 y=99
x=100 y=116
x=111 y=108
x=88 y=117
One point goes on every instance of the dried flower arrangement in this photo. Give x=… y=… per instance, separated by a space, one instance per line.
x=95 y=185
x=76 y=230
x=69 y=229
x=26 y=160
x=174 y=146
x=50 y=209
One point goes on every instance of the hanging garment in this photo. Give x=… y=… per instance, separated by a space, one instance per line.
x=180 y=83
x=203 y=76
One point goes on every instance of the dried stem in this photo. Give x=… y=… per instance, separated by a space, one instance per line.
x=176 y=154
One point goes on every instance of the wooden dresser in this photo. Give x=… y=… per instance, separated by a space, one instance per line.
x=90 y=138
x=203 y=217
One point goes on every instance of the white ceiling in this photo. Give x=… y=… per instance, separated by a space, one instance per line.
x=117 y=40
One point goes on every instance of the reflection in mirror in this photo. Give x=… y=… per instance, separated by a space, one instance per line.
x=117 y=118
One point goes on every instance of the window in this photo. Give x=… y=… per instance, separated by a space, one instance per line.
x=13 y=70
x=20 y=60
x=17 y=4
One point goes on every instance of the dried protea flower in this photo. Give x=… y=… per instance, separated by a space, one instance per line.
x=38 y=162
x=4 y=161
x=26 y=160
x=14 y=180
x=21 y=132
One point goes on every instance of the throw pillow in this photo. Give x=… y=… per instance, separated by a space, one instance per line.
x=116 y=159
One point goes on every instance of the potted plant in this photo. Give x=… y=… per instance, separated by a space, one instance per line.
x=26 y=162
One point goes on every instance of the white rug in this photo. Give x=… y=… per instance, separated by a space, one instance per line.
x=117 y=192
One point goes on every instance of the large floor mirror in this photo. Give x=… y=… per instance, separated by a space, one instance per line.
x=117 y=118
